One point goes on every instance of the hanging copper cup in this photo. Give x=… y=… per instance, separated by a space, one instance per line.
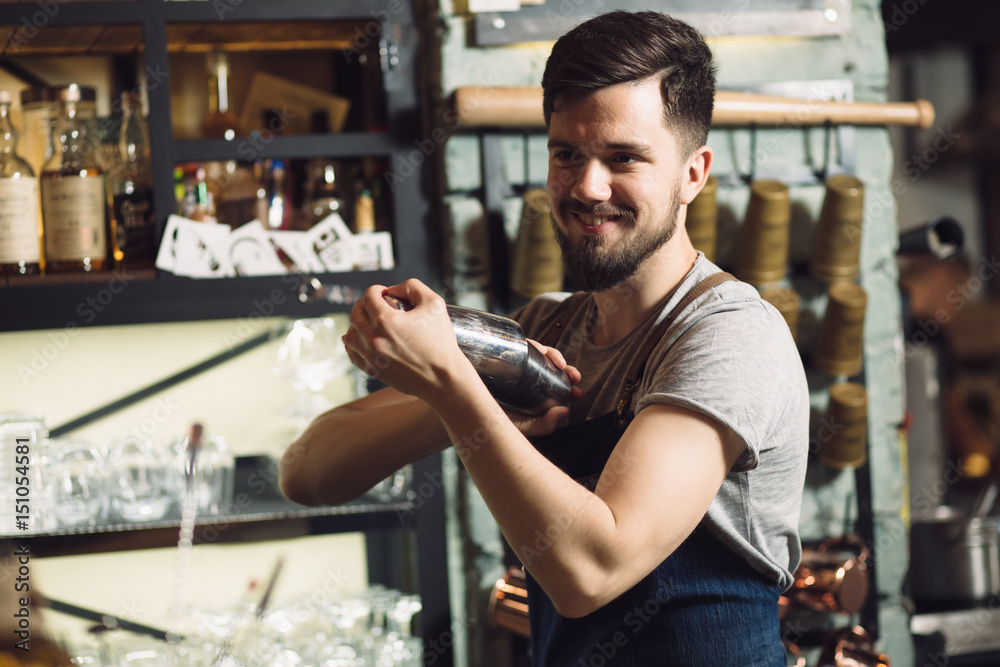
x=537 y=265
x=838 y=237
x=508 y=608
x=852 y=647
x=840 y=347
x=702 y=220
x=830 y=581
x=763 y=254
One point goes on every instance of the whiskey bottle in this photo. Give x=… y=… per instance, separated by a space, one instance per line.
x=220 y=122
x=73 y=199
x=130 y=193
x=20 y=240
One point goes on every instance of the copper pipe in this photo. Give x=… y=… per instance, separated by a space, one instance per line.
x=521 y=106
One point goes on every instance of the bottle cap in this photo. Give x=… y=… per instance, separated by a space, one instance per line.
x=76 y=93
x=703 y=218
x=838 y=238
x=764 y=247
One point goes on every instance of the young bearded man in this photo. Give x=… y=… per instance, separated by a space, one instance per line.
x=673 y=480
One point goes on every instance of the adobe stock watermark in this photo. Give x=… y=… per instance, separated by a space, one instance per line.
x=373 y=29
x=958 y=297
x=900 y=14
x=58 y=340
x=30 y=25
x=163 y=409
x=407 y=164
x=606 y=651
x=249 y=325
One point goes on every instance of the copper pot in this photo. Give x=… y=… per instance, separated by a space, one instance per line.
x=828 y=580
x=852 y=647
x=508 y=606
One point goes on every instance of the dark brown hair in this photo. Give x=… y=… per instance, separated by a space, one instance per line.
x=620 y=47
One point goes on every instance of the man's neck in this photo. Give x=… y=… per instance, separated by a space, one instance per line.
x=623 y=307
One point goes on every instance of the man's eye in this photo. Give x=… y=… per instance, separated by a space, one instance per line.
x=566 y=156
x=625 y=159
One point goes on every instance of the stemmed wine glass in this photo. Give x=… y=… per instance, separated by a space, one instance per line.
x=310 y=356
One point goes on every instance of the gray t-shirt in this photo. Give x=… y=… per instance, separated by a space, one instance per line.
x=728 y=355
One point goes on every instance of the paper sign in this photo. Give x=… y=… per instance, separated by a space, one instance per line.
x=332 y=241
x=295 y=247
x=250 y=251
x=373 y=251
x=494 y=5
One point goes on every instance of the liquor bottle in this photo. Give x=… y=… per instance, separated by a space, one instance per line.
x=130 y=193
x=20 y=242
x=220 y=122
x=324 y=194
x=73 y=199
x=364 y=213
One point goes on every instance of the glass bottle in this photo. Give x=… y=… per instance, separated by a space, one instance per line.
x=236 y=190
x=20 y=240
x=325 y=183
x=130 y=193
x=73 y=199
x=324 y=193
x=220 y=122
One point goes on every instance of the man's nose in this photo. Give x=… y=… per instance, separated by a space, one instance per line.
x=592 y=183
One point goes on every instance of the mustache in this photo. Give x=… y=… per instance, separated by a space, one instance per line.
x=602 y=210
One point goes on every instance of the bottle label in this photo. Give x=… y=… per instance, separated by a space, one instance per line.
x=73 y=216
x=19 y=221
x=134 y=225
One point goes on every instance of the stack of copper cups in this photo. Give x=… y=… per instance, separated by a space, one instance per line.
x=763 y=258
x=763 y=254
x=702 y=220
x=839 y=349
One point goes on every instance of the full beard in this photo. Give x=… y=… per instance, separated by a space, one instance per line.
x=594 y=265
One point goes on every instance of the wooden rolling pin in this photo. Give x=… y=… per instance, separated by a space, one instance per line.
x=478 y=106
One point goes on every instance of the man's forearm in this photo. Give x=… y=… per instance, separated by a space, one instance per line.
x=349 y=449
x=557 y=527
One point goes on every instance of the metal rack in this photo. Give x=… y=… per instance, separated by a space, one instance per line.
x=146 y=27
x=49 y=302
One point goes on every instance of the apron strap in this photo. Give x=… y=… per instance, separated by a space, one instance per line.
x=638 y=366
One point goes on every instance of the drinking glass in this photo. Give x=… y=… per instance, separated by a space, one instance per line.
x=77 y=483
x=394 y=488
x=310 y=356
x=142 y=485
x=23 y=443
x=213 y=474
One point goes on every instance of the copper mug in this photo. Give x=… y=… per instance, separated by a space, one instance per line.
x=508 y=606
x=829 y=581
x=852 y=647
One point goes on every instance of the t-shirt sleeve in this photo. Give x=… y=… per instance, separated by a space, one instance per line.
x=737 y=363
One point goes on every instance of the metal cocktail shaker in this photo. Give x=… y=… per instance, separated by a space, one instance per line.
x=516 y=373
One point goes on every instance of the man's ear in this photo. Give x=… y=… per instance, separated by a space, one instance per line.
x=696 y=171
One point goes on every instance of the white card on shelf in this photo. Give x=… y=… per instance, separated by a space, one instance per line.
x=373 y=251
x=250 y=251
x=332 y=241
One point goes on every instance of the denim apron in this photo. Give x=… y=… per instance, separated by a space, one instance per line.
x=703 y=606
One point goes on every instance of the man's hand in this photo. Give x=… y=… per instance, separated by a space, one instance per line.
x=414 y=351
x=553 y=418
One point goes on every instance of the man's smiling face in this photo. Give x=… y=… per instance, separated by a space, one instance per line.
x=614 y=181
